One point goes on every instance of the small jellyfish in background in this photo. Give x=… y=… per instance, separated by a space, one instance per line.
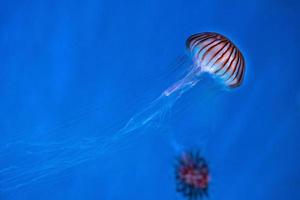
x=192 y=175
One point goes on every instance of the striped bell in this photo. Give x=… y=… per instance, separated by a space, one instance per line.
x=217 y=55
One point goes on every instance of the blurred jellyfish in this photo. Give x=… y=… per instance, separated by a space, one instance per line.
x=211 y=53
x=192 y=175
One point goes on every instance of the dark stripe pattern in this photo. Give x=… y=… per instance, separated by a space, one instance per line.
x=216 y=54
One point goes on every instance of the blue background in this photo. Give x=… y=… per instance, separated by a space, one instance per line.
x=68 y=69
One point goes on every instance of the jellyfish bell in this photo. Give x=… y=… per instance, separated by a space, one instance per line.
x=215 y=54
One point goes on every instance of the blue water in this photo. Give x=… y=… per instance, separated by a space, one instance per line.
x=74 y=72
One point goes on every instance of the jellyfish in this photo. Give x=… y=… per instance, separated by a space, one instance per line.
x=192 y=175
x=210 y=53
